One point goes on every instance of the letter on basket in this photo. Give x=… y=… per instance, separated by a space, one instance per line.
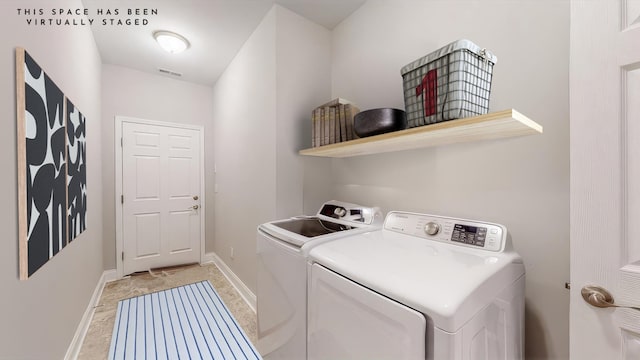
x=428 y=90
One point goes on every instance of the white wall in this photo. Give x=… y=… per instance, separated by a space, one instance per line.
x=127 y=92
x=262 y=104
x=522 y=183
x=40 y=315
x=303 y=65
x=244 y=121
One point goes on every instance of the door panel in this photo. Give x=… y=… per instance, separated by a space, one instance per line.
x=161 y=217
x=147 y=227
x=147 y=178
x=605 y=176
x=631 y=345
x=179 y=175
x=631 y=110
x=179 y=229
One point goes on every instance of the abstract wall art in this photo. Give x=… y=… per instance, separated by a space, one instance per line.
x=51 y=166
x=76 y=171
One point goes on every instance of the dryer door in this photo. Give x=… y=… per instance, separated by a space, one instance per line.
x=349 y=321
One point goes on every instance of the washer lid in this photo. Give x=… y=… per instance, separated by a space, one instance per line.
x=298 y=231
x=445 y=282
x=335 y=219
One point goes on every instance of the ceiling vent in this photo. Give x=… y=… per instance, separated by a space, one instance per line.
x=169 y=72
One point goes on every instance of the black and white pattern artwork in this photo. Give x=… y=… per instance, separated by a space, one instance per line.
x=46 y=184
x=52 y=166
x=76 y=171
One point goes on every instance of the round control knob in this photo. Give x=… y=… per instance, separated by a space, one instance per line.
x=340 y=211
x=432 y=228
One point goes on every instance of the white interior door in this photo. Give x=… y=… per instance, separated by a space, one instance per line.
x=605 y=176
x=161 y=185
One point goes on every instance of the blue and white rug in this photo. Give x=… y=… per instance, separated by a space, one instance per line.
x=187 y=322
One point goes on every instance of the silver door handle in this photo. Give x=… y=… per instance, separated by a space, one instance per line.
x=599 y=297
x=194 y=207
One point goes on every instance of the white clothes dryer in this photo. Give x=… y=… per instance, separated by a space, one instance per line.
x=422 y=287
x=282 y=248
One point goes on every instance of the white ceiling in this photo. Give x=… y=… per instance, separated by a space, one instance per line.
x=216 y=29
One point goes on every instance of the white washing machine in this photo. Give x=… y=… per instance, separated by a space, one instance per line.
x=283 y=247
x=422 y=287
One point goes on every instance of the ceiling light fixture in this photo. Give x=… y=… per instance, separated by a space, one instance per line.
x=171 y=42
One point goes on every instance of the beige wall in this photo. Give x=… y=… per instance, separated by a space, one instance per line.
x=132 y=93
x=522 y=183
x=244 y=119
x=39 y=316
x=261 y=107
x=303 y=67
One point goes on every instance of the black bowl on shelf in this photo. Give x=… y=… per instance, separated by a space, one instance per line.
x=379 y=121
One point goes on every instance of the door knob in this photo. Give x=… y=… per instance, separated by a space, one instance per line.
x=195 y=197
x=194 y=207
x=599 y=297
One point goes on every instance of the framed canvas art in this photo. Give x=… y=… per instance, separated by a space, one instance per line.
x=51 y=195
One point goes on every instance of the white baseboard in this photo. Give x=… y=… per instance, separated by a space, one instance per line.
x=247 y=295
x=81 y=331
x=109 y=276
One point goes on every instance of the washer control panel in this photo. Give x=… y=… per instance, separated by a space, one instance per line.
x=463 y=232
x=351 y=213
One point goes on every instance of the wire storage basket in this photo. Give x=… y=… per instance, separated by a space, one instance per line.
x=451 y=83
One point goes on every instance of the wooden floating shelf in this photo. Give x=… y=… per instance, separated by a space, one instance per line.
x=501 y=124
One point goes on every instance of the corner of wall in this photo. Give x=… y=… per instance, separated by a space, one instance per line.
x=244 y=147
x=81 y=331
x=303 y=66
x=245 y=293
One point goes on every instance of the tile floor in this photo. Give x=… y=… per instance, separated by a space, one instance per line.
x=98 y=338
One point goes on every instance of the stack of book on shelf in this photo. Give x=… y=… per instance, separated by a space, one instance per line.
x=333 y=122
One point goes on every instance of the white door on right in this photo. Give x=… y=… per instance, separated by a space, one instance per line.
x=605 y=176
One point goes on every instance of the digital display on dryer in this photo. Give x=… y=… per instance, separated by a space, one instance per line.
x=471 y=235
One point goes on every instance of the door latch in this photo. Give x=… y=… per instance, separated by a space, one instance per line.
x=599 y=297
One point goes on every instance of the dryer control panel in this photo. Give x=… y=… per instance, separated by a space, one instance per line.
x=463 y=232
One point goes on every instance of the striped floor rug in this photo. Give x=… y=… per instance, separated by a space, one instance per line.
x=187 y=322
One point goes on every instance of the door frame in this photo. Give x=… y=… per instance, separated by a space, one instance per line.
x=119 y=121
